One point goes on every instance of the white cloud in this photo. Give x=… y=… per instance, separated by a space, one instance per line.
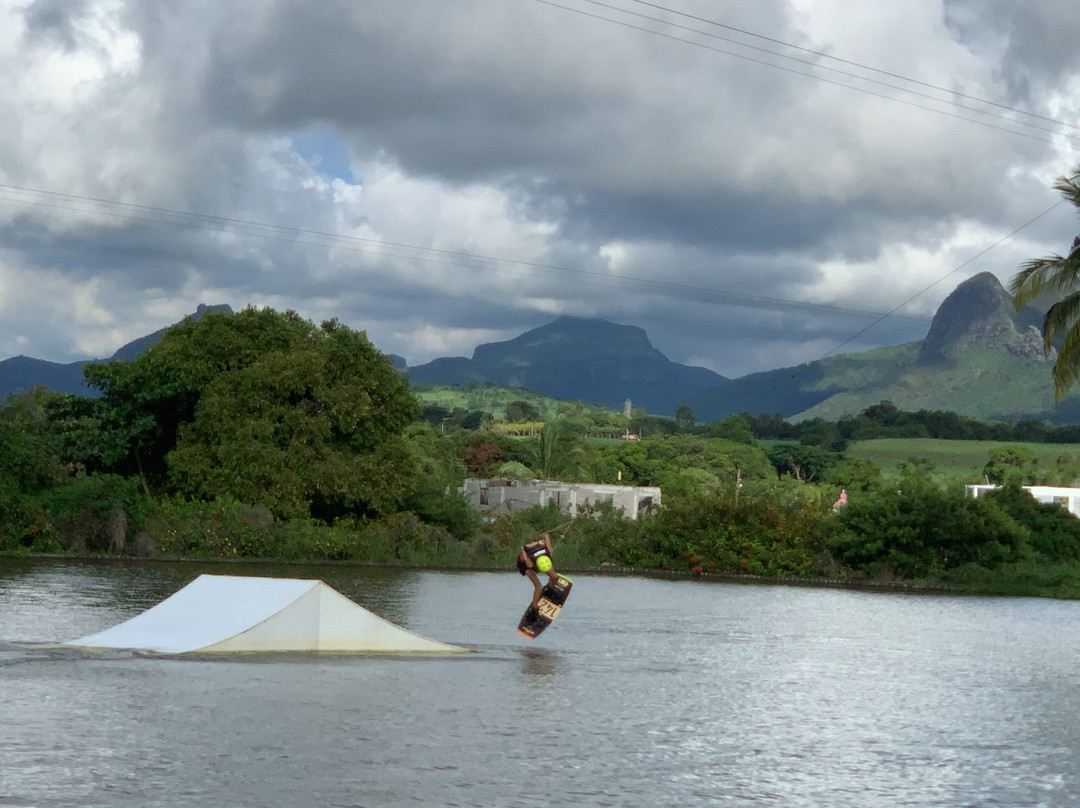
x=566 y=147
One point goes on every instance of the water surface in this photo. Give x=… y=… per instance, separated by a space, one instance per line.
x=644 y=692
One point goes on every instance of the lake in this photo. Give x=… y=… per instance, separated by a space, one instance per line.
x=645 y=692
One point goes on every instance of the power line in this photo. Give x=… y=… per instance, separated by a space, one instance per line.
x=853 y=63
x=894 y=311
x=948 y=274
x=813 y=76
x=291 y=234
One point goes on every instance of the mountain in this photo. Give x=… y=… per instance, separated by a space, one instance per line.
x=980 y=357
x=579 y=359
x=20 y=373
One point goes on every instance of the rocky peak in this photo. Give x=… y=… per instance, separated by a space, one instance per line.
x=978 y=314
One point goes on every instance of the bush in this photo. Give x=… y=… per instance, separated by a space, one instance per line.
x=1054 y=533
x=226 y=528
x=921 y=531
x=764 y=533
x=1025 y=578
x=443 y=506
x=92 y=514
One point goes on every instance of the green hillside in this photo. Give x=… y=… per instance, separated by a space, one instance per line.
x=489 y=398
x=981 y=358
x=989 y=385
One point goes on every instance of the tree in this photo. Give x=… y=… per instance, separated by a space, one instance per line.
x=28 y=464
x=1058 y=276
x=144 y=402
x=437 y=498
x=736 y=428
x=312 y=426
x=684 y=418
x=519 y=411
x=560 y=454
x=806 y=463
x=1012 y=465
x=480 y=455
x=264 y=407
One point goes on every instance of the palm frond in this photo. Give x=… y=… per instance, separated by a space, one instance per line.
x=1059 y=276
x=1060 y=317
x=1054 y=274
x=1069 y=186
x=1067 y=367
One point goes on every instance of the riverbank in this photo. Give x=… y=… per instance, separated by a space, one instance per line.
x=608 y=570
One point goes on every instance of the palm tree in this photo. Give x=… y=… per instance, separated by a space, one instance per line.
x=561 y=455
x=1059 y=276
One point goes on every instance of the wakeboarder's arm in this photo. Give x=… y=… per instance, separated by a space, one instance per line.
x=538 y=588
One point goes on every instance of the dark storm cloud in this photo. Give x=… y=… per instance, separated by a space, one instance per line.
x=1034 y=41
x=468 y=93
x=618 y=174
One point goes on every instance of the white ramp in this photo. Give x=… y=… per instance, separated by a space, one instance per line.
x=236 y=614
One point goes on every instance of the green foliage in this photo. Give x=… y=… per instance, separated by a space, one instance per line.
x=515 y=404
x=1023 y=578
x=801 y=461
x=1057 y=275
x=961 y=460
x=517 y=411
x=29 y=453
x=436 y=498
x=675 y=463
x=98 y=513
x=266 y=408
x=144 y=403
x=822 y=434
x=1053 y=532
x=922 y=530
x=735 y=428
x=684 y=419
x=560 y=452
x=855 y=475
x=226 y=528
x=1012 y=465
x=761 y=534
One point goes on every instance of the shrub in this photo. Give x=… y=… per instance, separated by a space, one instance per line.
x=94 y=513
x=922 y=530
x=1054 y=533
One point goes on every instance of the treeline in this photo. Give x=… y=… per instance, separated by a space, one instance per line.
x=885 y=420
x=882 y=420
x=262 y=435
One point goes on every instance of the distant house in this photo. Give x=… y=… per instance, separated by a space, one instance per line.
x=1068 y=498
x=507 y=496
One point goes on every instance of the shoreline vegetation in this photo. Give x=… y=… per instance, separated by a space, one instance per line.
x=601 y=543
x=609 y=570
x=261 y=436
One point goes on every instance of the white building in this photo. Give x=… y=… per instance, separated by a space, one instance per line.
x=507 y=496
x=1069 y=498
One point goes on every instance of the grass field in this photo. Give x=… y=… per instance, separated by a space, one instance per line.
x=492 y=399
x=952 y=459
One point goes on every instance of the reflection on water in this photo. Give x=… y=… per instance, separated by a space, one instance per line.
x=539 y=663
x=644 y=692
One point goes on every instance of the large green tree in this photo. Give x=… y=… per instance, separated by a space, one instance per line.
x=144 y=402
x=269 y=409
x=1058 y=276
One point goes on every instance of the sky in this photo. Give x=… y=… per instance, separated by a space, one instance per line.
x=757 y=185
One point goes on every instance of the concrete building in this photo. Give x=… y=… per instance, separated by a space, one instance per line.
x=1068 y=498
x=507 y=496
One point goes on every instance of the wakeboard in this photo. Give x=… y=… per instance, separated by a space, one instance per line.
x=539 y=617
